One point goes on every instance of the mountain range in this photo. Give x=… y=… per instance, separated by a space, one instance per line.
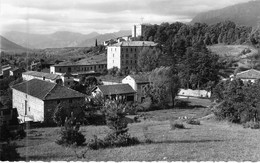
x=242 y=14
x=60 y=39
x=6 y=45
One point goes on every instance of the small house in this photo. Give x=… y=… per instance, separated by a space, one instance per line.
x=249 y=75
x=118 y=91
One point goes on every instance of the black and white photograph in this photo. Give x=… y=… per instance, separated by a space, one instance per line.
x=130 y=80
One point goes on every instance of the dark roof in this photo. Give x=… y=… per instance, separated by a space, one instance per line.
x=249 y=74
x=116 y=89
x=45 y=90
x=135 y=43
x=141 y=77
x=42 y=74
x=94 y=60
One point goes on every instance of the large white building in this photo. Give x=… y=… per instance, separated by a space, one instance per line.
x=124 y=55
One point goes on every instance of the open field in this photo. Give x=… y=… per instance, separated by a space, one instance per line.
x=210 y=141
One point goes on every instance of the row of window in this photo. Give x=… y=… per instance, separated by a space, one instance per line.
x=58 y=101
x=126 y=49
x=85 y=68
x=131 y=62
x=127 y=55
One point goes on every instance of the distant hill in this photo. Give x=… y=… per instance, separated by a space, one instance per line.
x=59 y=39
x=6 y=45
x=242 y=14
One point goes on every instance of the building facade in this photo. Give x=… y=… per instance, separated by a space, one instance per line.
x=118 y=91
x=96 y=63
x=124 y=55
x=36 y=99
x=138 y=83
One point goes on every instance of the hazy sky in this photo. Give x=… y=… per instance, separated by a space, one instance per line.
x=85 y=16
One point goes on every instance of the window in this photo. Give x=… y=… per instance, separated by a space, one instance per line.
x=135 y=61
x=115 y=49
x=113 y=55
x=113 y=61
x=126 y=49
x=70 y=101
x=135 y=55
x=135 y=49
x=131 y=50
x=131 y=61
x=126 y=61
x=126 y=55
x=122 y=55
x=60 y=69
x=68 y=83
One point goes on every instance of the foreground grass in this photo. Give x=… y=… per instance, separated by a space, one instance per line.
x=210 y=141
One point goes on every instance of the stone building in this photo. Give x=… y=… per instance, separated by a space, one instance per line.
x=124 y=55
x=138 y=82
x=36 y=99
x=118 y=91
x=16 y=72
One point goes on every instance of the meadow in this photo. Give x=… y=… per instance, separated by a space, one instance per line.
x=211 y=141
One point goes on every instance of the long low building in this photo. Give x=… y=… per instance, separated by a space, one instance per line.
x=29 y=75
x=96 y=63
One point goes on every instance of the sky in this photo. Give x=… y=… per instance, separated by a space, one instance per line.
x=102 y=16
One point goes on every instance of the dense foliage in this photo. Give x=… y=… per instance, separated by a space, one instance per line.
x=165 y=83
x=238 y=102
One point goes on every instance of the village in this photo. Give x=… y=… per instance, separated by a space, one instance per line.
x=174 y=91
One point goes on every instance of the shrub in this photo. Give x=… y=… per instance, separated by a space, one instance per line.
x=176 y=125
x=193 y=122
x=115 y=120
x=112 y=140
x=70 y=133
x=252 y=125
x=8 y=152
x=181 y=104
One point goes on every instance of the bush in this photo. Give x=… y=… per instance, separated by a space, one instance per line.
x=181 y=104
x=8 y=152
x=252 y=125
x=115 y=120
x=176 y=125
x=193 y=122
x=112 y=140
x=70 y=133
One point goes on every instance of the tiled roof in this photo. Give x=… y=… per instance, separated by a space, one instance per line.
x=94 y=60
x=135 y=43
x=116 y=89
x=249 y=74
x=46 y=90
x=42 y=74
x=141 y=77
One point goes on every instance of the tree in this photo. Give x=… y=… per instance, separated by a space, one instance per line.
x=96 y=44
x=148 y=59
x=164 y=83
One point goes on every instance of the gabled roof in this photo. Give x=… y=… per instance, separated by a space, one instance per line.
x=46 y=90
x=135 y=43
x=42 y=74
x=116 y=89
x=249 y=74
x=141 y=78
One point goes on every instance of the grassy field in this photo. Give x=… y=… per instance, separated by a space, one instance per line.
x=210 y=141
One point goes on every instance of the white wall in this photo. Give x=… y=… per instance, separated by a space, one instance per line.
x=194 y=93
x=35 y=106
x=113 y=57
x=129 y=80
